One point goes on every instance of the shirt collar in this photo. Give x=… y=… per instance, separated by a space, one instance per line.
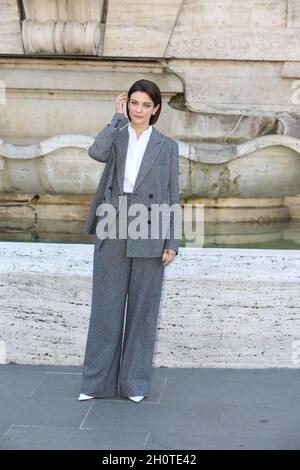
x=145 y=132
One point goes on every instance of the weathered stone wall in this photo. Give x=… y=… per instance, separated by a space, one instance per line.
x=232 y=56
x=220 y=308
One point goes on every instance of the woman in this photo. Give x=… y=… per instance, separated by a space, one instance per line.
x=142 y=167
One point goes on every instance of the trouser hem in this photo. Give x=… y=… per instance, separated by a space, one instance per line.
x=102 y=394
x=127 y=392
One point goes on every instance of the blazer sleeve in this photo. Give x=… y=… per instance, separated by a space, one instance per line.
x=173 y=242
x=101 y=147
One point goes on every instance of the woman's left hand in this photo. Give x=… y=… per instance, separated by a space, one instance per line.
x=168 y=256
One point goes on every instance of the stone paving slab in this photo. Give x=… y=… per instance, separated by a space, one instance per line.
x=188 y=408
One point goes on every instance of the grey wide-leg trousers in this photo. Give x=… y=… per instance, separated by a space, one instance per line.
x=126 y=301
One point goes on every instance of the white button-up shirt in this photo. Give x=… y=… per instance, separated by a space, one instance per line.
x=135 y=153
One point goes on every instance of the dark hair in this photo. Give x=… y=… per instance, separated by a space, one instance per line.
x=152 y=90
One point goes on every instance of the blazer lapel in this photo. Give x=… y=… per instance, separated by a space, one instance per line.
x=151 y=152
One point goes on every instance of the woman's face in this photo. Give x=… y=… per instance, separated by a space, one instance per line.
x=141 y=107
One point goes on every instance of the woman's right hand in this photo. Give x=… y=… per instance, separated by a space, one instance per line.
x=120 y=103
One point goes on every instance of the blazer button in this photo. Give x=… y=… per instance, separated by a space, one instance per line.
x=110 y=187
x=149 y=208
x=149 y=221
x=150 y=195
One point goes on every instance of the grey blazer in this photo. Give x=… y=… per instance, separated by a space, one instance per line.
x=157 y=181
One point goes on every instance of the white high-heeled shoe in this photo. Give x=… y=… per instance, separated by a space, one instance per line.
x=82 y=396
x=136 y=399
